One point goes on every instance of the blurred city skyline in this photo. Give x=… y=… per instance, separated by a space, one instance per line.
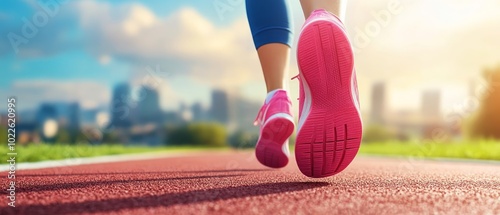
x=87 y=47
x=135 y=114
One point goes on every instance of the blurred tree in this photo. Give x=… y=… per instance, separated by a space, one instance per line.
x=208 y=134
x=377 y=133
x=3 y=134
x=81 y=138
x=93 y=135
x=242 y=139
x=178 y=135
x=110 y=137
x=63 y=136
x=486 y=122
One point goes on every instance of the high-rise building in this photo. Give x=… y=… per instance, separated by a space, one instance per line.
x=197 y=111
x=234 y=111
x=120 y=106
x=45 y=112
x=378 y=103
x=73 y=115
x=244 y=114
x=431 y=104
x=220 y=106
x=89 y=117
x=148 y=106
x=66 y=115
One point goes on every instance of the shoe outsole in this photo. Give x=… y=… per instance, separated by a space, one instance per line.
x=269 y=149
x=330 y=136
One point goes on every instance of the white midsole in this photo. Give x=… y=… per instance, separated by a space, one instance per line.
x=306 y=108
x=355 y=98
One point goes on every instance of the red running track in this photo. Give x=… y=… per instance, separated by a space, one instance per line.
x=235 y=183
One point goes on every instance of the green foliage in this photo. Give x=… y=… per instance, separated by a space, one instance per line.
x=3 y=134
x=377 y=133
x=242 y=139
x=198 y=134
x=486 y=123
x=477 y=149
x=82 y=138
x=110 y=137
x=63 y=136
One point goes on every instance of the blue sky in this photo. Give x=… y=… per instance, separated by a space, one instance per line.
x=55 y=66
x=59 y=51
x=90 y=45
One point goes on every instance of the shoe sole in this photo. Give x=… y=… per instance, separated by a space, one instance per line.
x=275 y=133
x=330 y=135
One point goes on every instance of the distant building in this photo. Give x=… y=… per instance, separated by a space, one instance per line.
x=172 y=117
x=185 y=113
x=45 y=113
x=220 y=106
x=73 y=114
x=379 y=101
x=146 y=134
x=26 y=116
x=197 y=112
x=234 y=111
x=431 y=104
x=95 y=117
x=426 y=123
x=148 y=106
x=27 y=133
x=244 y=114
x=66 y=115
x=120 y=106
x=89 y=117
x=26 y=127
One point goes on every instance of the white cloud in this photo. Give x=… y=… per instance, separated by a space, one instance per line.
x=139 y=18
x=104 y=59
x=185 y=42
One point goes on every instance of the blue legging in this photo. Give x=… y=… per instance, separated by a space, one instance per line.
x=269 y=22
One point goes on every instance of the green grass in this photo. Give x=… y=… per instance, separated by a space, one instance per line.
x=41 y=152
x=484 y=150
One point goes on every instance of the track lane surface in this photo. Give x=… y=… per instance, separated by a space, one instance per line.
x=235 y=183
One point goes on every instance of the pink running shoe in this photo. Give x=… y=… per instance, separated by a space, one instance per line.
x=330 y=128
x=276 y=126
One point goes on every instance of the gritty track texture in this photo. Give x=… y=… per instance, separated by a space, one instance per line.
x=330 y=136
x=235 y=183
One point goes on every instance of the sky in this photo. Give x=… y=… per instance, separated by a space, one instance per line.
x=78 y=50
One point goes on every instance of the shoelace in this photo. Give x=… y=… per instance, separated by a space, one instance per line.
x=258 y=120
x=297 y=77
